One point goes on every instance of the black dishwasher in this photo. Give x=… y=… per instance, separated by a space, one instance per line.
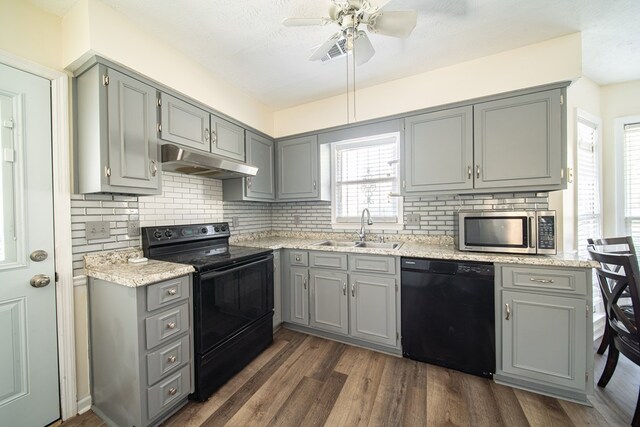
x=448 y=314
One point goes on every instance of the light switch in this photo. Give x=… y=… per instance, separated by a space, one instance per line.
x=97 y=230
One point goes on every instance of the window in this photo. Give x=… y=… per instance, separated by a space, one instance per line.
x=588 y=183
x=366 y=175
x=631 y=178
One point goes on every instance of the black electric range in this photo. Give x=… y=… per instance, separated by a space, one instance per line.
x=232 y=297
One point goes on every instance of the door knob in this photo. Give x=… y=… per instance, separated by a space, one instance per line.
x=40 y=280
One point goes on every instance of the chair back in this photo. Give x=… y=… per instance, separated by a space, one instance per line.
x=619 y=276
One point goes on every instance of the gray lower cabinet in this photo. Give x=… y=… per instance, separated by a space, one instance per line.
x=277 y=289
x=184 y=123
x=302 y=169
x=349 y=296
x=117 y=142
x=438 y=153
x=544 y=330
x=141 y=350
x=260 y=188
x=227 y=139
x=518 y=142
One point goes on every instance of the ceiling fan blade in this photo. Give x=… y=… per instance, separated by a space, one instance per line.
x=393 y=23
x=324 y=48
x=362 y=48
x=303 y=22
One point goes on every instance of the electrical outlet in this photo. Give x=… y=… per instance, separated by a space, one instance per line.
x=412 y=219
x=296 y=219
x=97 y=230
x=133 y=228
x=235 y=221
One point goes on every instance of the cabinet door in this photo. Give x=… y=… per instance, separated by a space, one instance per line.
x=184 y=123
x=299 y=294
x=227 y=139
x=260 y=153
x=544 y=338
x=518 y=141
x=438 y=151
x=329 y=301
x=373 y=308
x=133 y=138
x=298 y=168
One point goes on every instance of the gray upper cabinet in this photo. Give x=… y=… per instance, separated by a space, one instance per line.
x=117 y=141
x=303 y=169
x=438 y=153
x=518 y=141
x=261 y=188
x=227 y=139
x=184 y=123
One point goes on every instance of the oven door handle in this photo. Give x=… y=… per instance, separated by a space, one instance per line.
x=233 y=268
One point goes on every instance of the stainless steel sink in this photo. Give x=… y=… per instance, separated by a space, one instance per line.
x=379 y=245
x=373 y=245
x=341 y=243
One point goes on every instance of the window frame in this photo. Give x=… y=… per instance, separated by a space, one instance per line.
x=355 y=222
x=620 y=217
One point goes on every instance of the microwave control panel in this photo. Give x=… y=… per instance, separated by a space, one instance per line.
x=546 y=232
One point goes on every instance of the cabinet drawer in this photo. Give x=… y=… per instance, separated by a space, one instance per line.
x=299 y=258
x=167 y=292
x=566 y=281
x=163 y=326
x=372 y=264
x=169 y=391
x=167 y=359
x=328 y=260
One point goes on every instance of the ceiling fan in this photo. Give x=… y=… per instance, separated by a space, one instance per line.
x=350 y=15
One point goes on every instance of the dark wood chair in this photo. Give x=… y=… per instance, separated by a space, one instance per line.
x=619 y=273
x=615 y=245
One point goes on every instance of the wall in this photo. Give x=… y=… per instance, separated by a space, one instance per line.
x=541 y=63
x=92 y=27
x=618 y=100
x=31 y=33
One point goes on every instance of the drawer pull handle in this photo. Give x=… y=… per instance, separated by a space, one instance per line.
x=506 y=306
x=172 y=391
x=353 y=289
x=171 y=325
x=344 y=288
x=172 y=359
x=172 y=291
x=541 y=280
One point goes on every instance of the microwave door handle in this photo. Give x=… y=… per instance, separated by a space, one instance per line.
x=532 y=232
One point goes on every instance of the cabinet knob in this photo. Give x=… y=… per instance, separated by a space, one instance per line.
x=353 y=289
x=314 y=185
x=469 y=172
x=478 y=171
x=172 y=391
x=344 y=288
x=508 y=310
x=154 y=167
x=298 y=258
x=171 y=325
x=172 y=359
x=172 y=291
x=249 y=182
x=214 y=137
x=207 y=135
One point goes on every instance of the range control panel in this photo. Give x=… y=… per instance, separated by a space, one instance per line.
x=186 y=232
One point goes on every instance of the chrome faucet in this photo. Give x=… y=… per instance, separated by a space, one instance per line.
x=361 y=234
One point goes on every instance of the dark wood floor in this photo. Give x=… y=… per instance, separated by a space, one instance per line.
x=303 y=380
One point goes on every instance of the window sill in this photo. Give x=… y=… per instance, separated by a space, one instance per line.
x=376 y=226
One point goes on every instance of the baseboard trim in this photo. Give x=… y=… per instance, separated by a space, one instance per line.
x=84 y=404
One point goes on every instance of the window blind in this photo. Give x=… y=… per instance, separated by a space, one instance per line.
x=632 y=179
x=588 y=183
x=366 y=173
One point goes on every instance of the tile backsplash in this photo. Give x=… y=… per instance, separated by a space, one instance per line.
x=187 y=199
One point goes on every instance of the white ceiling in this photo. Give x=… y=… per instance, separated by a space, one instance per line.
x=243 y=41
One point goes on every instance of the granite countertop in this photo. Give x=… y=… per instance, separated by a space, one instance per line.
x=420 y=249
x=113 y=266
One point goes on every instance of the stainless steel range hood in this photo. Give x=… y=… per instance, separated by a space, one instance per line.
x=193 y=162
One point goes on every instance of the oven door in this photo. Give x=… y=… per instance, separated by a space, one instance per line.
x=231 y=298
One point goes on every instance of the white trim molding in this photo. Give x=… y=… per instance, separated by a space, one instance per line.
x=62 y=225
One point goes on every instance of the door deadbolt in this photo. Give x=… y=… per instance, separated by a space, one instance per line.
x=38 y=255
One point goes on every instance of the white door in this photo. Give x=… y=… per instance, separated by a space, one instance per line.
x=29 y=394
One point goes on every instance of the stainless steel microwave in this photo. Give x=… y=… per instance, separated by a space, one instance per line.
x=516 y=232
